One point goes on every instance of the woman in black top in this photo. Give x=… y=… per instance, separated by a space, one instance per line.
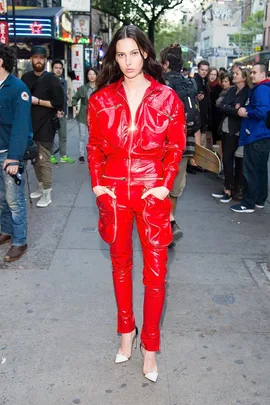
x=215 y=90
x=235 y=98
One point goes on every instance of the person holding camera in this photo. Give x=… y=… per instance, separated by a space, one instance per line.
x=47 y=99
x=15 y=129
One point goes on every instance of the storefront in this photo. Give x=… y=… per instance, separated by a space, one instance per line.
x=49 y=27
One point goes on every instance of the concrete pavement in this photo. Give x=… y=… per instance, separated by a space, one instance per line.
x=58 y=316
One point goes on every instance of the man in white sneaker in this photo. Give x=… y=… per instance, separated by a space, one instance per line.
x=255 y=136
x=47 y=99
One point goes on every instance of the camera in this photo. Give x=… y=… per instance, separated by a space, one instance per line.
x=18 y=176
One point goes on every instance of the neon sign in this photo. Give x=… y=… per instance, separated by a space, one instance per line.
x=30 y=27
x=3 y=32
x=36 y=28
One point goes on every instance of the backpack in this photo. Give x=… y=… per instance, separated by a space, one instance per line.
x=187 y=93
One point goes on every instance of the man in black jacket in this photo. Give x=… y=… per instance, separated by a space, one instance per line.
x=47 y=99
x=203 y=91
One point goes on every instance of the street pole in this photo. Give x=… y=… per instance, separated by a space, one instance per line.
x=15 y=36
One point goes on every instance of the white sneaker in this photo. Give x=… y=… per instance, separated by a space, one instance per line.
x=218 y=195
x=45 y=199
x=38 y=192
x=261 y=207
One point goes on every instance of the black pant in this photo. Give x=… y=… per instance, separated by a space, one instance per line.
x=239 y=182
x=229 y=147
x=256 y=156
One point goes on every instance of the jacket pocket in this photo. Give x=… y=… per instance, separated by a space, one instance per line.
x=154 y=129
x=157 y=218
x=107 y=223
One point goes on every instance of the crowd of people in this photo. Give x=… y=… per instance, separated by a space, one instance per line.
x=233 y=107
x=144 y=119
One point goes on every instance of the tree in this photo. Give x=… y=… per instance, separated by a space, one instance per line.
x=143 y=13
x=249 y=30
x=168 y=33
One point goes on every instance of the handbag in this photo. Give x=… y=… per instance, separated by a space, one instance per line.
x=30 y=152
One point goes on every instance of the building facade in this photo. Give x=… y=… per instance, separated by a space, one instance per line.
x=219 y=21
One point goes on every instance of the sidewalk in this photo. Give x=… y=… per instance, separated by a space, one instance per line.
x=58 y=315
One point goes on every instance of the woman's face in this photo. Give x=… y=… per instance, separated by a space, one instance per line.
x=237 y=76
x=129 y=58
x=213 y=75
x=225 y=84
x=91 y=76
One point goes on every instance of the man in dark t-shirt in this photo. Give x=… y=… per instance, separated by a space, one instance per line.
x=203 y=91
x=47 y=99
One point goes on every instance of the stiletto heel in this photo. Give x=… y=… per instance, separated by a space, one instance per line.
x=151 y=375
x=120 y=358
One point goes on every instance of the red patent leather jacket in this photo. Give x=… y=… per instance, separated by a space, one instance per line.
x=148 y=149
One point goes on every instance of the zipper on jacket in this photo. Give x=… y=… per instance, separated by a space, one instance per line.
x=113 y=178
x=132 y=128
x=113 y=107
x=163 y=113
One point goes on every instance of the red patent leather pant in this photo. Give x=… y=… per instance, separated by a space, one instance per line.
x=152 y=218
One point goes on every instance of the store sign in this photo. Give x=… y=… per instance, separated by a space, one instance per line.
x=3 y=6
x=81 y=24
x=29 y=27
x=64 y=27
x=77 y=63
x=76 y=5
x=3 y=32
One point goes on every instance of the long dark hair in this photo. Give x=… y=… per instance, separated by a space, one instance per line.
x=111 y=72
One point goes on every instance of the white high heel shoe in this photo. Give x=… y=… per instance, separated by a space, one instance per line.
x=120 y=358
x=151 y=375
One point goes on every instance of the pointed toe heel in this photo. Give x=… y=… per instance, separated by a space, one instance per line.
x=120 y=358
x=152 y=376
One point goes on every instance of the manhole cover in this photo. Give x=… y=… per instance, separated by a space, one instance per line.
x=89 y=229
x=224 y=299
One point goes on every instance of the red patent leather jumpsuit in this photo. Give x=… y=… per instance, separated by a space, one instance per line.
x=130 y=158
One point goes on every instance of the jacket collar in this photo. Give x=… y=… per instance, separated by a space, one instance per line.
x=154 y=86
x=263 y=82
x=7 y=80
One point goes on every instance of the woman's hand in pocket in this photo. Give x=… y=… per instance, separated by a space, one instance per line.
x=159 y=192
x=99 y=190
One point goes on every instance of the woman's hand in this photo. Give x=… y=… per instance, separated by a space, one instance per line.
x=159 y=192
x=99 y=190
x=75 y=112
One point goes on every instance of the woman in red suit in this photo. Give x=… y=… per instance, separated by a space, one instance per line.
x=136 y=140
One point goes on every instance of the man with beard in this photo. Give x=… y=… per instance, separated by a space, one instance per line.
x=47 y=99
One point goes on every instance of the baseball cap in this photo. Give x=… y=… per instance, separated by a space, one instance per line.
x=38 y=50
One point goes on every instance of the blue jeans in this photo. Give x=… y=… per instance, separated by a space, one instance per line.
x=13 y=216
x=256 y=156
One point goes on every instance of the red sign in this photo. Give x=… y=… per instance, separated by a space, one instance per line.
x=3 y=32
